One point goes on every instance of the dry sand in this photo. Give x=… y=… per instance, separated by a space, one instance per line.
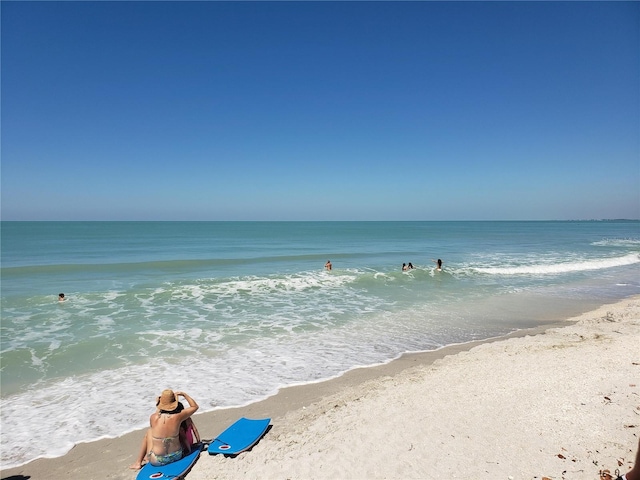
x=561 y=405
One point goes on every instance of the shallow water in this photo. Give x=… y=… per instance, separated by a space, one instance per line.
x=231 y=311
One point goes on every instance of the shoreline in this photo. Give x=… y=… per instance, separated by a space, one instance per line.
x=297 y=408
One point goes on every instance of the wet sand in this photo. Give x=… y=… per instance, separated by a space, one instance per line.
x=563 y=404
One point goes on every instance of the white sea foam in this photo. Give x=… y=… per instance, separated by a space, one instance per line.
x=560 y=267
x=227 y=377
x=232 y=332
x=35 y=360
x=617 y=242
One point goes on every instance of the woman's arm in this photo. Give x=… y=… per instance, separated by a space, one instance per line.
x=191 y=409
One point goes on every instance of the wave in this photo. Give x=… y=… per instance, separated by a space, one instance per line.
x=115 y=267
x=253 y=285
x=566 y=267
x=617 y=242
x=171 y=265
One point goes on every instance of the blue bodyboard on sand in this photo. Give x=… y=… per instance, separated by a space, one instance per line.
x=240 y=436
x=175 y=470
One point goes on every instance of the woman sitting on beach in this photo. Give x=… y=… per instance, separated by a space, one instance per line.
x=162 y=443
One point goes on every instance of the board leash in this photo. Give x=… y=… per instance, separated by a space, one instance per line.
x=209 y=442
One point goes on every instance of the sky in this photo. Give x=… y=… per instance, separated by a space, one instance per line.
x=320 y=110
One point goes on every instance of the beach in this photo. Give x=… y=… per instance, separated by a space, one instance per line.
x=561 y=403
x=233 y=312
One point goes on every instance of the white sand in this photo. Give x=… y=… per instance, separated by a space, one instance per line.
x=562 y=405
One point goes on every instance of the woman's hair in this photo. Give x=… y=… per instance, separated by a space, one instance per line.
x=178 y=409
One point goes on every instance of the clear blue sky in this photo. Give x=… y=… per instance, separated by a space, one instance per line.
x=320 y=110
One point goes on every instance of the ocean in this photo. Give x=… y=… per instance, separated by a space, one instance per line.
x=232 y=311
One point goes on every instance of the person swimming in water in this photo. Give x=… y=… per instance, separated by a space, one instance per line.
x=438 y=264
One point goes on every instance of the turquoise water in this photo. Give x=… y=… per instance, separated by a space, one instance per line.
x=230 y=312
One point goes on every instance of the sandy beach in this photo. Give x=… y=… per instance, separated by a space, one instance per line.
x=561 y=403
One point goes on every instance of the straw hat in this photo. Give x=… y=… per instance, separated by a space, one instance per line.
x=167 y=401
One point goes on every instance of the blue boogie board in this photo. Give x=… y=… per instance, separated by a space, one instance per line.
x=240 y=436
x=175 y=470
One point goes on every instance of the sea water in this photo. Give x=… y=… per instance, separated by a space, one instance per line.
x=230 y=312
